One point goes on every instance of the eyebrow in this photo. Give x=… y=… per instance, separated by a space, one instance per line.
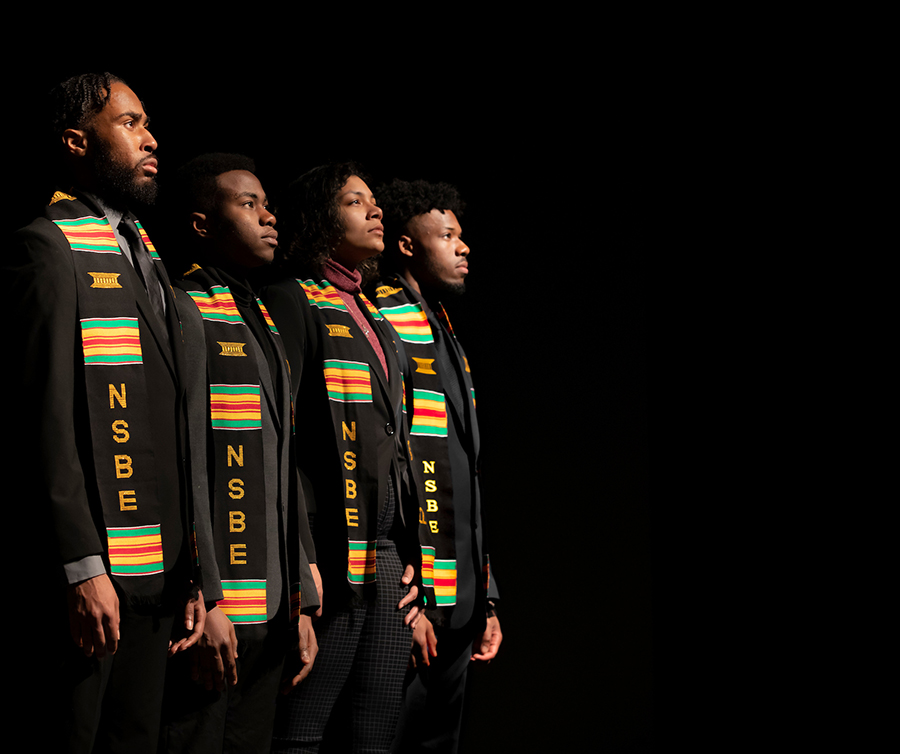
x=251 y=194
x=135 y=116
x=356 y=192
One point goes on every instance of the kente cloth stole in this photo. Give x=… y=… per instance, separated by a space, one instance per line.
x=118 y=411
x=349 y=384
x=235 y=415
x=427 y=417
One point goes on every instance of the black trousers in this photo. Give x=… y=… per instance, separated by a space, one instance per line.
x=433 y=696
x=109 y=705
x=238 y=719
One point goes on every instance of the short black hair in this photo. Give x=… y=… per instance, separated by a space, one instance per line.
x=401 y=201
x=311 y=223
x=193 y=187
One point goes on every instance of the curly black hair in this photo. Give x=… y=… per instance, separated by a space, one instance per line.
x=310 y=220
x=401 y=201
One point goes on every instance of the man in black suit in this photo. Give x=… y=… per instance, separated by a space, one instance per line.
x=96 y=333
x=426 y=261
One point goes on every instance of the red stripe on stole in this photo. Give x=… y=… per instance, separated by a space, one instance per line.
x=136 y=549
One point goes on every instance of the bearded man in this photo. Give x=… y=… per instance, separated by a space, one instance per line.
x=119 y=538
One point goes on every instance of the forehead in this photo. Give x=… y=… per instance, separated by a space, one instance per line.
x=435 y=222
x=122 y=101
x=237 y=183
x=355 y=184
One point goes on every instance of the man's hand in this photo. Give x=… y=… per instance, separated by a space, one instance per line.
x=424 y=644
x=485 y=647
x=412 y=617
x=308 y=648
x=317 y=577
x=94 y=616
x=194 y=623
x=216 y=652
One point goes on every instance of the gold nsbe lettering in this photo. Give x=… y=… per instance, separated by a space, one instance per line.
x=231 y=349
x=105 y=279
x=238 y=554
x=384 y=291
x=339 y=331
x=123 y=467
x=239 y=456
x=351 y=433
x=430 y=485
x=428 y=466
x=349 y=460
x=120 y=430
x=236 y=521
x=117 y=396
x=127 y=500
x=423 y=366
x=237 y=489
x=422 y=517
x=351 y=489
x=432 y=505
x=432 y=524
x=352 y=518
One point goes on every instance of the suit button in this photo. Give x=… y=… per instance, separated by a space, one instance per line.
x=388 y=429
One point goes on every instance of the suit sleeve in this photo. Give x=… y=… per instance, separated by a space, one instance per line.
x=48 y=390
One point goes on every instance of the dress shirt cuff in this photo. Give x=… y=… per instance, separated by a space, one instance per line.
x=84 y=569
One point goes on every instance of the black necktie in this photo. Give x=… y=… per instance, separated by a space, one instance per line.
x=144 y=266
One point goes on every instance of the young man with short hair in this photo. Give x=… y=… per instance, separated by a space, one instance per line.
x=260 y=527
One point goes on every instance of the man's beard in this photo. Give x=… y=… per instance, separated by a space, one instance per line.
x=118 y=184
x=440 y=286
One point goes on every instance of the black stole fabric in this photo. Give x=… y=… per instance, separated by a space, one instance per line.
x=236 y=421
x=112 y=330
x=427 y=414
x=351 y=381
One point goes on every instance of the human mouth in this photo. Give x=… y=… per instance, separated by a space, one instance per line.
x=149 y=166
x=378 y=230
x=271 y=238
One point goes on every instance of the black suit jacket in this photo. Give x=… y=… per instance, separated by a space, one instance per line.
x=46 y=384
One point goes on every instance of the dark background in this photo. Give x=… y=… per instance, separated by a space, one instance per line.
x=547 y=155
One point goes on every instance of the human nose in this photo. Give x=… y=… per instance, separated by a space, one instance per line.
x=463 y=250
x=148 y=143
x=375 y=212
x=266 y=217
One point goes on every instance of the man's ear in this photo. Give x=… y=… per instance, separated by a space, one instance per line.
x=200 y=224
x=406 y=246
x=75 y=141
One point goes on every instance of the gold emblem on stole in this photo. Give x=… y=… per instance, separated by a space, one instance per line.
x=339 y=331
x=231 y=349
x=423 y=366
x=386 y=290
x=105 y=279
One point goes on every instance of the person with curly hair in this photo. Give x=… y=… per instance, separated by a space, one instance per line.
x=425 y=261
x=351 y=451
